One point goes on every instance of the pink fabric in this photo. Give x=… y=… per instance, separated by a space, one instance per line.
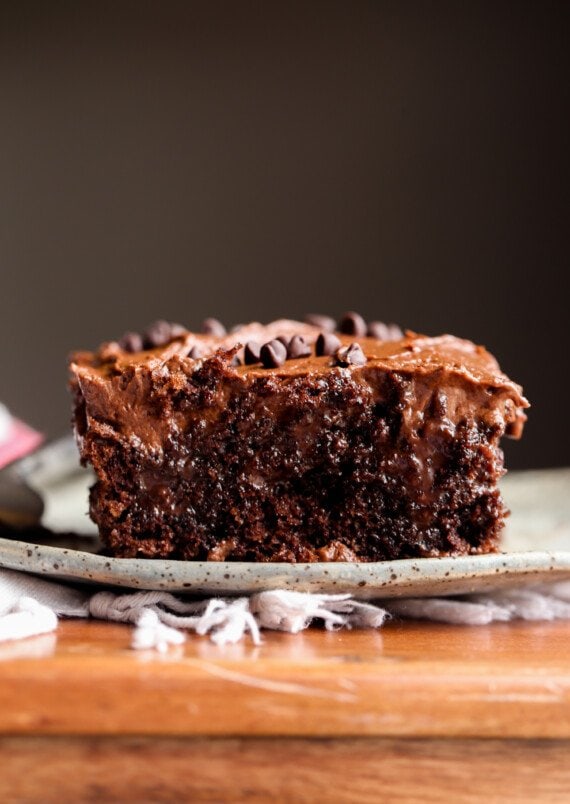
x=19 y=441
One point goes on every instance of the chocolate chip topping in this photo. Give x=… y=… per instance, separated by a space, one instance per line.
x=351 y=355
x=326 y=344
x=298 y=347
x=273 y=354
x=159 y=333
x=284 y=340
x=131 y=342
x=251 y=353
x=324 y=322
x=196 y=352
x=384 y=332
x=236 y=361
x=211 y=326
x=352 y=324
x=177 y=330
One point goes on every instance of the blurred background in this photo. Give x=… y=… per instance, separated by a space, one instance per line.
x=250 y=161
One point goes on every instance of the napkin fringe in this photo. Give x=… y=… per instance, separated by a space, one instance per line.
x=30 y=606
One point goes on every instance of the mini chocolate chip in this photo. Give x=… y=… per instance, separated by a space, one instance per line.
x=273 y=354
x=211 y=326
x=324 y=322
x=351 y=355
x=235 y=361
x=196 y=352
x=159 y=333
x=177 y=330
x=352 y=324
x=284 y=340
x=298 y=347
x=131 y=342
x=384 y=332
x=108 y=353
x=327 y=344
x=251 y=353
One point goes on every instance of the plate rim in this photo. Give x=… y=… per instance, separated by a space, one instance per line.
x=396 y=578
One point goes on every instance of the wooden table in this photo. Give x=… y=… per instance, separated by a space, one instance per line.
x=414 y=712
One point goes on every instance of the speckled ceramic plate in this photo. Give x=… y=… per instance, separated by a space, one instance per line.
x=537 y=541
x=424 y=577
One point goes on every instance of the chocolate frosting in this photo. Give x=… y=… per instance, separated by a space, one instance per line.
x=467 y=375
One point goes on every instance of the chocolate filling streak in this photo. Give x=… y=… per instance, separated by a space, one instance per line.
x=310 y=460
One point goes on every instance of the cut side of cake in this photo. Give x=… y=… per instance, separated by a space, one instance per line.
x=293 y=442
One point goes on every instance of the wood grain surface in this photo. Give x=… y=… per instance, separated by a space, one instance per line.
x=413 y=712
x=284 y=770
x=408 y=679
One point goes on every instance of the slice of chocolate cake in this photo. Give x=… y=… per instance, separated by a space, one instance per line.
x=294 y=442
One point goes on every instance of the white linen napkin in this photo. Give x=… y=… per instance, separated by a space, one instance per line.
x=30 y=606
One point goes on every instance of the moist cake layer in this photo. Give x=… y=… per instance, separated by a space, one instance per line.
x=378 y=449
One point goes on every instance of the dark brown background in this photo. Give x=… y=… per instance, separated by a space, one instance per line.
x=253 y=161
